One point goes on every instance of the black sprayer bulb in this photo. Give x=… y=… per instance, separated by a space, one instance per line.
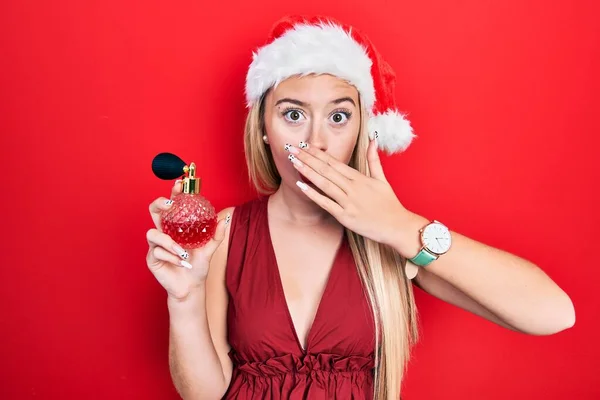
x=168 y=166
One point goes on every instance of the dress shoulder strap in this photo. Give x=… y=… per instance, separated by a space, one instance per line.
x=245 y=236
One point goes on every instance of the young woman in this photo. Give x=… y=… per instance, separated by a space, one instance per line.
x=306 y=292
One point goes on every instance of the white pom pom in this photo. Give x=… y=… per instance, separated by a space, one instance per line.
x=394 y=131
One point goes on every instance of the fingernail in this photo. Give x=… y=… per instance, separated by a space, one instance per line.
x=291 y=149
x=373 y=135
x=303 y=145
x=302 y=185
x=185 y=264
x=228 y=219
x=294 y=160
x=168 y=202
x=179 y=250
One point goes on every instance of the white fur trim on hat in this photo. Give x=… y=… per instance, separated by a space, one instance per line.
x=311 y=49
x=395 y=131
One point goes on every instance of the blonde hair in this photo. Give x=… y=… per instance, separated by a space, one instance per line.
x=381 y=268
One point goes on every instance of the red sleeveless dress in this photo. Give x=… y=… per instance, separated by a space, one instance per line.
x=268 y=360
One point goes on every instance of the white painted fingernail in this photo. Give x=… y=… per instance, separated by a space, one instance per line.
x=294 y=160
x=185 y=264
x=302 y=185
x=291 y=149
x=228 y=219
x=168 y=202
x=303 y=145
x=179 y=250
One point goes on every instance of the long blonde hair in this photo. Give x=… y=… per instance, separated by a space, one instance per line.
x=381 y=268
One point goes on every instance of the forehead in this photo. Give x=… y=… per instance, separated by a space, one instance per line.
x=314 y=89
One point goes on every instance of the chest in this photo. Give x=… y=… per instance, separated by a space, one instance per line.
x=297 y=290
x=305 y=260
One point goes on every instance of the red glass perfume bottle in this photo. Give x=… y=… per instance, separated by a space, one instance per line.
x=191 y=220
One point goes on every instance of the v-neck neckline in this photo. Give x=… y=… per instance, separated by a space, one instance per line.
x=275 y=266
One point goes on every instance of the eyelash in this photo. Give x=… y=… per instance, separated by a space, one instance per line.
x=344 y=111
x=288 y=109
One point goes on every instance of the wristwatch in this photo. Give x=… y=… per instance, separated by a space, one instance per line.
x=436 y=241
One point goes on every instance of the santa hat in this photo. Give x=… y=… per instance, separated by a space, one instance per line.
x=300 y=46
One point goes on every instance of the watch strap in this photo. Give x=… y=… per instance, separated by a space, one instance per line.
x=423 y=258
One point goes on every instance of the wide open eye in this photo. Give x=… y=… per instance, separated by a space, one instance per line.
x=293 y=115
x=340 y=117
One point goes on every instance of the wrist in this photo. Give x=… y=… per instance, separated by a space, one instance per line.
x=405 y=237
x=193 y=300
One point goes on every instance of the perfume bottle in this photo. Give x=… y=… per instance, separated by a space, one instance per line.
x=191 y=220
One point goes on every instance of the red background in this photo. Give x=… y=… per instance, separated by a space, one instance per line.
x=503 y=97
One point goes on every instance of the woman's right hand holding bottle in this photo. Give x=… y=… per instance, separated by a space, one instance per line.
x=178 y=271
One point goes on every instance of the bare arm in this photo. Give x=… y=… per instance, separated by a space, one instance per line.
x=198 y=349
x=437 y=287
x=492 y=283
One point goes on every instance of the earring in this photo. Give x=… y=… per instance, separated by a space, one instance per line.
x=265 y=139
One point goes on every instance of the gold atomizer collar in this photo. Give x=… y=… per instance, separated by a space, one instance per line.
x=191 y=183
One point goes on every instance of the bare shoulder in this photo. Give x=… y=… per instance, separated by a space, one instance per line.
x=217 y=299
x=216 y=274
x=221 y=215
x=219 y=259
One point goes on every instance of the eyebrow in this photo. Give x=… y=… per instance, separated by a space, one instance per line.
x=303 y=104
x=343 y=99
x=293 y=101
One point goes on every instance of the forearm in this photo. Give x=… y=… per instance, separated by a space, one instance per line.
x=513 y=289
x=195 y=367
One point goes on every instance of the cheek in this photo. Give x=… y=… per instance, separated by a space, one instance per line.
x=346 y=143
x=281 y=132
x=346 y=152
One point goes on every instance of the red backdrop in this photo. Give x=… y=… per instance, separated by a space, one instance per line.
x=504 y=100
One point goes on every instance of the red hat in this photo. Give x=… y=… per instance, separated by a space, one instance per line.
x=321 y=45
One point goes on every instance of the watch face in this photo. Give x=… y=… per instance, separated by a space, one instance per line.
x=436 y=237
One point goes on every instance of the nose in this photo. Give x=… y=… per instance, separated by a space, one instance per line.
x=317 y=137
